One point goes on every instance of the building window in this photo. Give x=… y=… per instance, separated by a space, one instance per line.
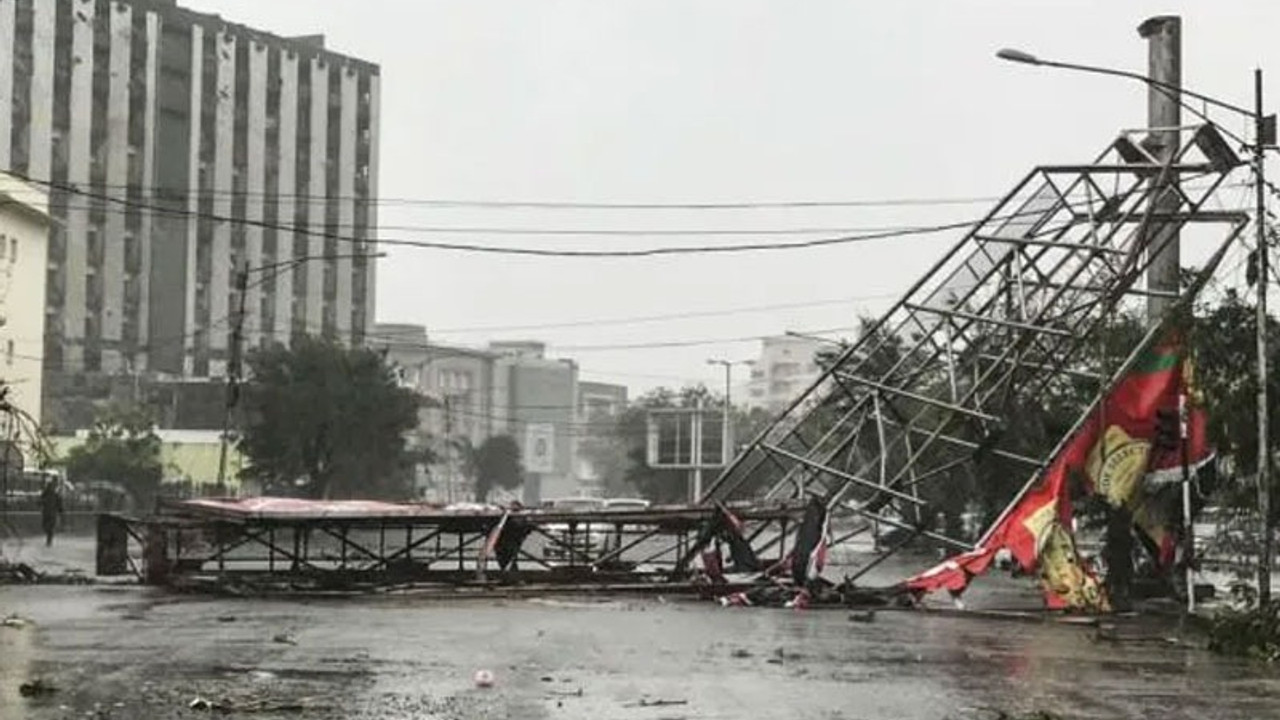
x=8 y=352
x=3 y=245
x=13 y=250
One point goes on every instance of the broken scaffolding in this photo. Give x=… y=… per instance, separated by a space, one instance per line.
x=929 y=395
x=927 y=402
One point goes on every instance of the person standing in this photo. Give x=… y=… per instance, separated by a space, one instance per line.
x=50 y=509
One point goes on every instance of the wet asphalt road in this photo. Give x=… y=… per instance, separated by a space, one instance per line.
x=128 y=652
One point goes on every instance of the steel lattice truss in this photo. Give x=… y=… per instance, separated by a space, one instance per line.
x=930 y=392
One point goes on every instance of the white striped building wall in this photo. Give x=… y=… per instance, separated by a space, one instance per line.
x=98 y=128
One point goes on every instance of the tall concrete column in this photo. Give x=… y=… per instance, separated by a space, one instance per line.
x=1164 y=50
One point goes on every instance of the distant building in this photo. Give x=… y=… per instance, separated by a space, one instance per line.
x=599 y=407
x=181 y=147
x=598 y=400
x=24 y=229
x=786 y=367
x=457 y=386
x=508 y=388
x=536 y=402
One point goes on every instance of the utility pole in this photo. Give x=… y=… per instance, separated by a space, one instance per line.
x=1164 y=117
x=233 y=373
x=1264 y=132
x=696 y=429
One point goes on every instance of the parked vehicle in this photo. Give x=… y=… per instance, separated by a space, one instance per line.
x=626 y=504
x=616 y=534
x=572 y=534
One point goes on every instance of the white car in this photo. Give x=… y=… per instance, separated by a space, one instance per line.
x=572 y=535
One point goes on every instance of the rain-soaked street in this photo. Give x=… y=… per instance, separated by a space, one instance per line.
x=129 y=652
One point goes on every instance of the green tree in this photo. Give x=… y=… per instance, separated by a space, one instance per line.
x=327 y=421
x=497 y=464
x=1226 y=374
x=122 y=448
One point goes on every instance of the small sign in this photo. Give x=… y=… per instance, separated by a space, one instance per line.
x=540 y=448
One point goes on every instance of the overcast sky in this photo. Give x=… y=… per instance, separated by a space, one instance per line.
x=659 y=101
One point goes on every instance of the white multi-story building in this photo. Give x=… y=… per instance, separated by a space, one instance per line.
x=24 y=231
x=179 y=148
x=786 y=367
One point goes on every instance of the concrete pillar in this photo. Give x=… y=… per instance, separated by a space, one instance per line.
x=1164 y=48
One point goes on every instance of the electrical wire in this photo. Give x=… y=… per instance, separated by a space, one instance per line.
x=155 y=191
x=332 y=227
x=540 y=252
x=638 y=319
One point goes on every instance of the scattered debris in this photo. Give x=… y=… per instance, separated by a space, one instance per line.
x=199 y=703
x=862 y=616
x=226 y=618
x=547 y=678
x=284 y=639
x=253 y=706
x=645 y=702
x=36 y=688
x=484 y=679
x=740 y=653
x=15 y=622
x=17 y=573
x=780 y=655
x=559 y=693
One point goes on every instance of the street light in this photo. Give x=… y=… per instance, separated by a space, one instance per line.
x=237 y=338
x=1264 y=135
x=841 y=343
x=1026 y=58
x=727 y=429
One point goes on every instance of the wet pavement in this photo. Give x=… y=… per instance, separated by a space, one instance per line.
x=130 y=652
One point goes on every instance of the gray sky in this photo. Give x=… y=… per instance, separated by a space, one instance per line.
x=738 y=100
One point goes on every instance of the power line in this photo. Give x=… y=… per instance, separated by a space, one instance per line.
x=688 y=343
x=552 y=204
x=541 y=252
x=504 y=231
x=655 y=318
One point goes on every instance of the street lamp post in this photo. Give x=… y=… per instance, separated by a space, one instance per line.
x=726 y=449
x=1264 y=135
x=234 y=361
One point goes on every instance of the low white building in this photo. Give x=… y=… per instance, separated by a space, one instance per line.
x=24 y=232
x=786 y=367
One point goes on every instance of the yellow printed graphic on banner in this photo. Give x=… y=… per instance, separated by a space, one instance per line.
x=1062 y=575
x=1039 y=521
x=1116 y=474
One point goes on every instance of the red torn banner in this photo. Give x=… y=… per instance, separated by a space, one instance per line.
x=1123 y=446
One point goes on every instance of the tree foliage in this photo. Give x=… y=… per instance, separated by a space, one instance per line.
x=122 y=448
x=1225 y=343
x=496 y=464
x=327 y=421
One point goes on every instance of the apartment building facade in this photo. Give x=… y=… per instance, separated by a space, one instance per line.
x=179 y=150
